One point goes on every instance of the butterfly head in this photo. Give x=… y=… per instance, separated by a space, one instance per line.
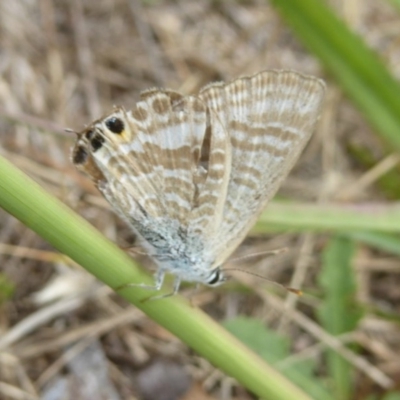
x=215 y=278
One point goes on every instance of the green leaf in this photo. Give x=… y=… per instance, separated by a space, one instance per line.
x=339 y=312
x=7 y=288
x=267 y=344
x=381 y=241
x=275 y=348
x=396 y=3
x=356 y=67
x=388 y=396
x=392 y=396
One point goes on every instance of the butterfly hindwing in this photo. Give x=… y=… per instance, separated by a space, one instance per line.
x=269 y=118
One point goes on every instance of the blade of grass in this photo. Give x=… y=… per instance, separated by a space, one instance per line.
x=381 y=241
x=339 y=312
x=285 y=216
x=396 y=3
x=388 y=183
x=72 y=235
x=356 y=67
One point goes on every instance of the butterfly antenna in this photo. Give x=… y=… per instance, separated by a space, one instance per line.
x=261 y=253
x=133 y=250
x=298 y=292
x=68 y=130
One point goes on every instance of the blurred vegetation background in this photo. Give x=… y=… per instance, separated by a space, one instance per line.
x=65 y=63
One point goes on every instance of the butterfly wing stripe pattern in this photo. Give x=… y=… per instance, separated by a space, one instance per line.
x=191 y=174
x=270 y=118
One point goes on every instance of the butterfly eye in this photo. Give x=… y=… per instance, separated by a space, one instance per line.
x=89 y=134
x=115 y=125
x=215 y=278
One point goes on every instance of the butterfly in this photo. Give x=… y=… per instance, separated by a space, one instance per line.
x=191 y=174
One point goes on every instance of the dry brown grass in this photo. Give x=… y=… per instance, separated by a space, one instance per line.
x=64 y=63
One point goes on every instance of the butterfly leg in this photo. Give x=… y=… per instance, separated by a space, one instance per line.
x=177 y=284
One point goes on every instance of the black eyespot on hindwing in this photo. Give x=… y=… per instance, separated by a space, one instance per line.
x=80 y=155
x=115 y=125
x=96 y=142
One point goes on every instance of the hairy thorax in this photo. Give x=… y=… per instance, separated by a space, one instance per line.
x=176 y=249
